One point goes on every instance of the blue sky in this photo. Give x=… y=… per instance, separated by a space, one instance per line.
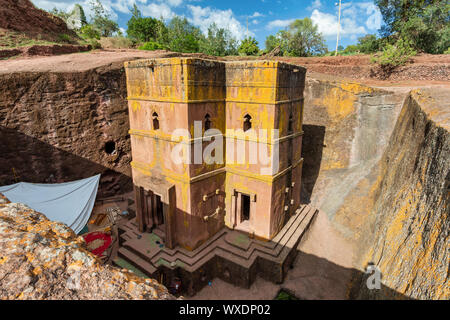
x=265 y=17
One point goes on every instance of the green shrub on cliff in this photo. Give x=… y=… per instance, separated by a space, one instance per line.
x=249 y=47
x=89 y=32
x=394 y=55
x=151 y=46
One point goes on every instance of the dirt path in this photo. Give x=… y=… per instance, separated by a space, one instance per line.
x=76 y=62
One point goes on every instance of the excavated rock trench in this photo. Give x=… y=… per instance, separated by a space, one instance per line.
x=376 y=165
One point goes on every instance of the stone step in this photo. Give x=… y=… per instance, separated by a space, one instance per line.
x=172 y=255
x=275 y=248
x=136 y=250
x=191 y=258
x=160 y=233
x=137 y=261
x=296 y=236
x=302 y=211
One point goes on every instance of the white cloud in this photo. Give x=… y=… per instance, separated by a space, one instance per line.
x=316 y=4
x=204 y=17
x=125 y=5
x=158 y=10
x=279 y=23
x=67 y=5
x=328 y=24
x=256 y=14
x=174 y=3
x=374 y=18
x=49 y=5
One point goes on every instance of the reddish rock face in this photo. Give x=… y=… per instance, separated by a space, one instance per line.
x=23 y=16
x=57 y=127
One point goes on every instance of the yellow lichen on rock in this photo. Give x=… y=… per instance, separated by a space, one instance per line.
x=41 y=259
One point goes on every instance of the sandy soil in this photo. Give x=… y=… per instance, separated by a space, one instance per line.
x=75 y=62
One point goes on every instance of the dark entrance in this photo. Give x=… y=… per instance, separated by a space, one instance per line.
x=149 y=209
x=245 y=207
x=154 y=214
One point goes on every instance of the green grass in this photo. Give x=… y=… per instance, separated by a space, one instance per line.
x=12 y=39
x=126 y=265
x=284 y=295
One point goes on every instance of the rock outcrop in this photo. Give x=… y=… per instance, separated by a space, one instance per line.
x=407 y=233
x=380 y=170
x=41 y=259
x=22 y=16
x=347 y=126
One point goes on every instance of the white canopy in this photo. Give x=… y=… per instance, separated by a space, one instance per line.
x=70 y=203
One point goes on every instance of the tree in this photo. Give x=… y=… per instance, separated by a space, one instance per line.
x=300 y=39
x=59 y=13
x=280 y=40
x=218 y=42
x=428 y=29
x=249 y=47
x=368 y=44
x=304 y=39
x=424 y=24
x=397 y=12
x=101 y=20
x=144 y=29
x=182 y=36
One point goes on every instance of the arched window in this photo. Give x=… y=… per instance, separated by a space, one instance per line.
x=247 y=122
x=155 y=121
x=207 y=122
x=291 y=123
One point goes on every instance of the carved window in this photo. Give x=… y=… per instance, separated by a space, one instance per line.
x=247 y=122
x=155 y=121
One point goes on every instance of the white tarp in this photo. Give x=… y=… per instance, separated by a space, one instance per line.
x=70 y=203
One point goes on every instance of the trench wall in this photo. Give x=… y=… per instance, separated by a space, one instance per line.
x=377 y=163
x=57 y=127
x=407 y=232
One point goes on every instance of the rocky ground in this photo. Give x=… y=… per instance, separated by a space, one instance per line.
x=423 y=67
x=23 y=17
x=40 y=259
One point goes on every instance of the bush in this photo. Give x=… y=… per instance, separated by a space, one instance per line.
x=183 y=36
x=350 y=50
x=447 y=51
x=65 y=38
x=151 y=46
x=116 y=43
x=88 y=32
x=248 y=47
x=394 y=55
x=94 y=44
x=218 y=42
x=369 y=44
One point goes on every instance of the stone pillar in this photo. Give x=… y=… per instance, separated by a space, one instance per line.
x=169 y=217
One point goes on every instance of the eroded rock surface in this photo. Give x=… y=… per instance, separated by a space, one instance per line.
x=41 y=259
x=407 y=233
